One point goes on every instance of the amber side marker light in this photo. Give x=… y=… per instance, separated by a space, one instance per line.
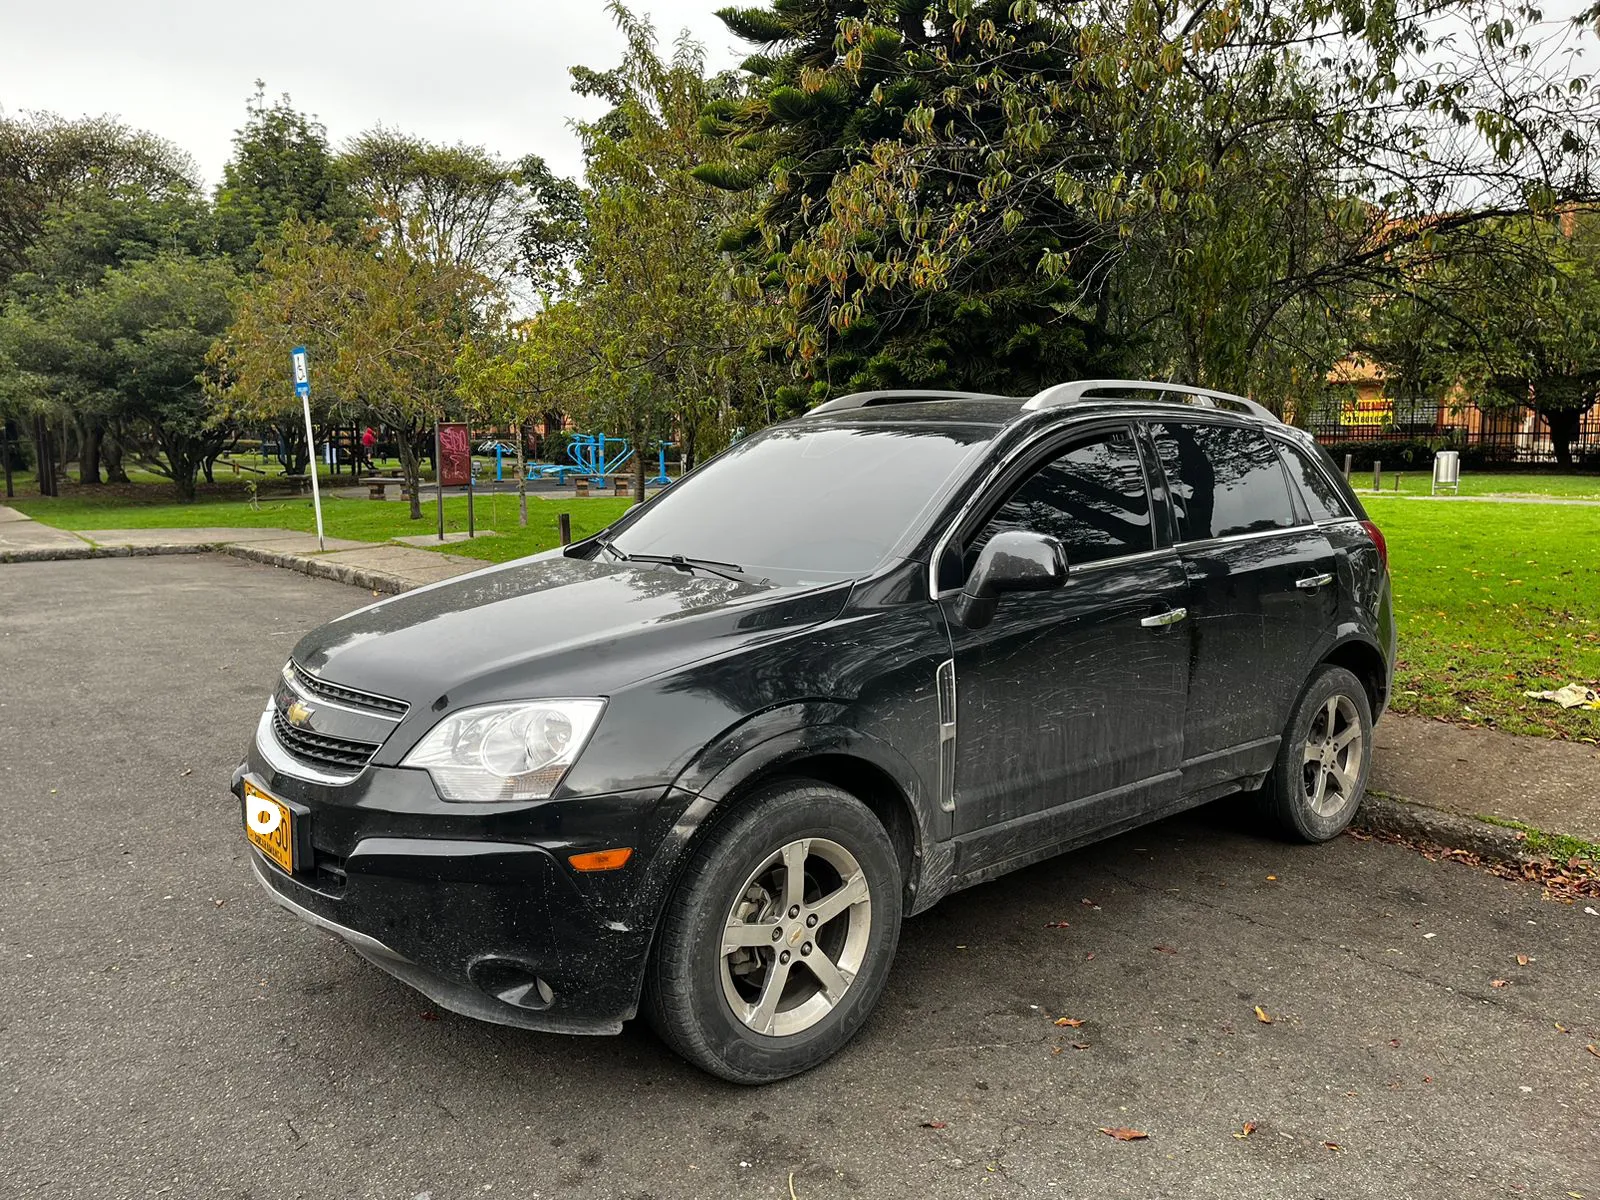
x=601 y=860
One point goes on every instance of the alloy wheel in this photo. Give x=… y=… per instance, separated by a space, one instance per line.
x=806 y=906
x=1333 y=756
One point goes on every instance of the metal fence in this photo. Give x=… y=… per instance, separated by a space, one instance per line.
x=1508 y=436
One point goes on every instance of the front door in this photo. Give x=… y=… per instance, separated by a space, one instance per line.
x=1070 y=703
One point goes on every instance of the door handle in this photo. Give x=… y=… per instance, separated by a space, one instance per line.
x=1171 y=617
x=1313 y=582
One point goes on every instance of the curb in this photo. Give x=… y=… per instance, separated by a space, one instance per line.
x=1380 y=813
x=71 y=553
x=363 y=577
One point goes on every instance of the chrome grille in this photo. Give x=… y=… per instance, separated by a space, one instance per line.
x=320 y=750
x=338 y=694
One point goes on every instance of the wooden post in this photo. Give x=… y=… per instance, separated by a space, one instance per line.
x=1377 y=475
x=564 y=525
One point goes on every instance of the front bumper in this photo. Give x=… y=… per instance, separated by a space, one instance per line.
x=475 y=905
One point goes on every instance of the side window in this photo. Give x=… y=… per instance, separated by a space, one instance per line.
x=1223 y=480
x=1322 y=497
x=1092 y=496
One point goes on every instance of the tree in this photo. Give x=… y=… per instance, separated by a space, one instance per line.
x=525 y=372
x=1201 y=187
x=134 y=344
x=381 y=325
x=665 y=316
x=281 y=169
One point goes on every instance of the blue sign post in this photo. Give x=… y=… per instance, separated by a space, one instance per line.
x=302 y=389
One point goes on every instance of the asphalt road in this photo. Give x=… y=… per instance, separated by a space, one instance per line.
x=166 y=1031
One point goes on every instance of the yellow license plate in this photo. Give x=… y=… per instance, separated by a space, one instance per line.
x=269 y=825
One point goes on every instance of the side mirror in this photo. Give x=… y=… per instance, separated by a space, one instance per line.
x=1015 y=561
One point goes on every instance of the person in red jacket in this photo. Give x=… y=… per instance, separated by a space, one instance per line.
x=369 y=441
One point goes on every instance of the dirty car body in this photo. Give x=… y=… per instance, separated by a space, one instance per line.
x=811 y=605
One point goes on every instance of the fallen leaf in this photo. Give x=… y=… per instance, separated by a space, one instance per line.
x=1395 y=1042
x=1498 y=982
x=1261 y=1015
x=1163 y=949
x=1522 y=960
x=933 y=1124
x=1125 y=1135
x=1080 y=1045
x=1069 y=1022
x=1560 y=1028
x=1057 y=925
x=429 y=1016
x=1055 y=1049
x=186 y=771
x=1246 y=1130
x=1089 y=957
x=1272 y=879
x=219 y=903
x=1592 y=1050
x=1333 y=1145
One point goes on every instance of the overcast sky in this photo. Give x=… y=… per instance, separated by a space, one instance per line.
x=490 y=72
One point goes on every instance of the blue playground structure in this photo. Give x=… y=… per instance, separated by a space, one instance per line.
x=594 y=456
x=661 y=465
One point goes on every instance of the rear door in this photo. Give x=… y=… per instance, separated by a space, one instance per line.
x=1260 y=593
x=1070 y=704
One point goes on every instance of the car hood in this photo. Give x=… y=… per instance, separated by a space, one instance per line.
x=550 y=626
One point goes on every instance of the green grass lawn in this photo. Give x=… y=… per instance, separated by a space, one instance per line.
x=1476 y=483
x=364 y=520
x=1492 y=600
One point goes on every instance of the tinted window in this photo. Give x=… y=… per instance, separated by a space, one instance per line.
x=1224 y=480
x=1092 y=497
x=803 y=505
x=1321 y=496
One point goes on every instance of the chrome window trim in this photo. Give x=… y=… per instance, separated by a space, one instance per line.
x=1253 y=536
x=945 y=686
x=280 y=760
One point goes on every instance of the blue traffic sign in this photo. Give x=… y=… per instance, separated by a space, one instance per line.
x=302 y=376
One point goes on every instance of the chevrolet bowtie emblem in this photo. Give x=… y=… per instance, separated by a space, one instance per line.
x=298 y=714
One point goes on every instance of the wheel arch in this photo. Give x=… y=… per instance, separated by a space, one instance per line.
x=1367 y=663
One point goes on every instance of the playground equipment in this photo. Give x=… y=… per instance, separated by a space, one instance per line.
x=594 y=456
x=661 y=465
x=501 y=449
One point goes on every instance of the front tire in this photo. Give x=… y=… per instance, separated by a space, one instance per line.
x=777 y=942
x=1320 y=775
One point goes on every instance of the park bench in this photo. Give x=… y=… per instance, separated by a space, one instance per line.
x=378 y=486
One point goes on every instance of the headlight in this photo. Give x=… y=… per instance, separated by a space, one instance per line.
x=506 y=751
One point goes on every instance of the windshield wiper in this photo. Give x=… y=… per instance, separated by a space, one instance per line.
x=710 y=565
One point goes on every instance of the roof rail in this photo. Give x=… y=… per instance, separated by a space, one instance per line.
x=1070 y=393
x=893 y=396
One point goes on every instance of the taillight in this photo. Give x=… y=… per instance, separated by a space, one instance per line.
x=1376 y=535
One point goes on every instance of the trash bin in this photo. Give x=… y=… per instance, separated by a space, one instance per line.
x=1447 y=471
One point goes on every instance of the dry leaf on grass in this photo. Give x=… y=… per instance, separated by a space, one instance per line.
x=1125 y=1135
x=1261 y=1015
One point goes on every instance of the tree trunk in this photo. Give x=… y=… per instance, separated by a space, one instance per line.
x=92 y=433
x=638 y=468
x=67 y=447
x=522 y=476
x=408 y=468
x=43 y=460
x=1563 y=423
x=111 y=452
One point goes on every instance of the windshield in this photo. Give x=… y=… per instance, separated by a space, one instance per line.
x=804 y=505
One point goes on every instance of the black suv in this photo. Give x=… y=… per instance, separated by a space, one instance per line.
x=708 y=759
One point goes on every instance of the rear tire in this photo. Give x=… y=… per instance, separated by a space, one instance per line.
x=1320 y=775
x=758 y=974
